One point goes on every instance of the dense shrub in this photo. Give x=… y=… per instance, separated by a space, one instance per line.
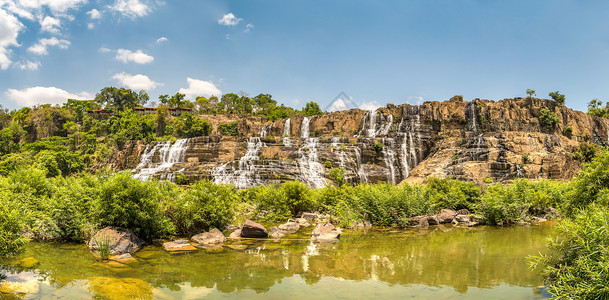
x=451 y=194
x=576 y=266
x=202 y=207
x=280 y=202
x=591 y=184
x=231 y=128
x=128 y=202
x=11 y=222
x=548 y=118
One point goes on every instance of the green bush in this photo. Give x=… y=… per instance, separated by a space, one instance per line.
x=231 y=128
x=548 y=118
x=130 y=203
x=338 y=176
x=576 y=266
x=451 y=194
x=11 y=223
x=378 y=147
x=202 y=207
x=281 y=202
x=505 y=204
x=590 y=183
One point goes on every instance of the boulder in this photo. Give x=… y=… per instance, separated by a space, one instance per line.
x=361 y=225
x=214 y=236
x=419 y=221
x=538 y=219
x=302 y=222
x=232 y=228
x=290 y=227
x=310 y=216
x=276 y=233
x=119 y=240
x=433 y=220
x=123 y=258
x=461 y=219
x=235 y=234
x=463 y=212
x=178 y=245
x=325 y=232
x=447 y=215
x=251 y=229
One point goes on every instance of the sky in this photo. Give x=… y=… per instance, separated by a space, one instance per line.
x=375 y=52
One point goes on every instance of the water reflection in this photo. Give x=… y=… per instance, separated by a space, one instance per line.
x=439 y=261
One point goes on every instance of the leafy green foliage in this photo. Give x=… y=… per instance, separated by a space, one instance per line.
x=548 y=118
x=120 y=98
x=202 y=207
x=311 y=109
x=338 y=176
x=451 y=194
x=585 y=152
x=231 y=128
x=595 y=108
x=558 y=97
x=591 y=184
x=530 y=92
x=378 y=146
x=11 y=223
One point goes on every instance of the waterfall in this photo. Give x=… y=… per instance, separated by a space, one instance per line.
x=363 y=178
x=245 y=176
x=369 y=124
x=310 y=168
x=304 y=128
x=342 y=156
x=265 y=130
x=286 y=134
x=410 y=134
x=473 y=116
x=168 y=155
x=389 y=158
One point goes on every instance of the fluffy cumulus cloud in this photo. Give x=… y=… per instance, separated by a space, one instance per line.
x=198 y=87
x=57 y=7
x=39 y=95
x=41 y=47
x=94 y=14
x=372 y=105
x=130 y=8
x=28 y=65
x=138 y=57
x=9 y=31
x=229 y=20
x=136 y=82
x=50 y=24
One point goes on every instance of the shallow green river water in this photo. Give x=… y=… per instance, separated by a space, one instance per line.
x=441 y=262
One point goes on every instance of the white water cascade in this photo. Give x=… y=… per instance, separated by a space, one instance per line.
x=342 y=156
x=245 y=176
x=478 y=142
x=389 y=158
x=363 y=178
x=265 y=130
x=310 y=168
x=304 y=128
x=409 y=153
x=286 y=134
x=168 y=154
x=369 y=124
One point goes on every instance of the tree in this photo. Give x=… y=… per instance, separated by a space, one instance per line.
x=120 y=98
x=558 y=97
x=548 y=118
x=595 y=108
x=311 y=109
x=530 y=92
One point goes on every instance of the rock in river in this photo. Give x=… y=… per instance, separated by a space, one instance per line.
x=252 y=229
x=326 y=232
x=178 y=245
x=290 y=227
x=212 y=237
x=276 y=233
x=119 y=240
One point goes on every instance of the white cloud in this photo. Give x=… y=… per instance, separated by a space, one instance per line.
x=198 y=87
x=138 y=56
x=248 y=27
x=90 y=25
x=19 y=11
x=28 y=65
x=43 y=44
x=94 y=14
x=43 y=95
x=9 y=31
x=229 y=20
x=161 y=40
x=135 y=82
x=104 y=50
x=50 y=24
x=57 y=7
x=372 y=105
x=130 y=8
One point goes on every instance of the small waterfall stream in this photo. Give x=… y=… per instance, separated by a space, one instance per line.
x=286 y=134
x=371 y=127
x=389 y=158
x=310 y=168
x=245 y=176
x=168 y=154
x=304 y=128
x=478 y=140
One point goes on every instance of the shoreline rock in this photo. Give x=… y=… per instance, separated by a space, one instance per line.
x=251 y=229
x=120 y=240
x=178 y=245
x=212 y=237
x=325 y=232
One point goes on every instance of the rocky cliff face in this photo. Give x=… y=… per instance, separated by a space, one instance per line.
x=474 y=140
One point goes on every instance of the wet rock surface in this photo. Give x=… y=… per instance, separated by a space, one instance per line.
x=214 y=236
x=251 y=229
x=119 y=240
x=325 y=232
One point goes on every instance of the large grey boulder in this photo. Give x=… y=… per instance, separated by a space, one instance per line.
x=290 y=227
x=212 y=237
x=276 y=233
x=119 y=240
x=235 y=234
x=325 y=232
x=447 y=215
x=419 y=221
x=251 y=229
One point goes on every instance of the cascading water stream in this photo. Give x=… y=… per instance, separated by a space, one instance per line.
x=310 y=168
x=389 y=158
x=286 y=134
x=304 y=128
x=478 y=142
x=370 y=128
x=168 y=155
x=245 y=176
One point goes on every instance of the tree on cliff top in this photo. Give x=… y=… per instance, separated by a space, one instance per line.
x=558 y=97
x=311 y=109
x=530 y=92
x=120 y=98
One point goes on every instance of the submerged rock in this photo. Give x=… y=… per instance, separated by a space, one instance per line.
x=119 y=288
x=29 y=263
x=276 y=233
x=290 y=227
x=303 y=222
x=326 y=232
x=123 y=258
x=214 y=236
x=178 y=245
x=119 y=240
x=251 y=229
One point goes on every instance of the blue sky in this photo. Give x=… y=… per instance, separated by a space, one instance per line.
x=377 y=52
